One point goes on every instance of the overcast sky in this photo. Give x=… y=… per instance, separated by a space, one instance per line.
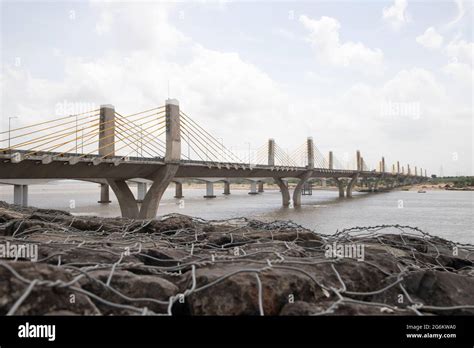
x=388 y=78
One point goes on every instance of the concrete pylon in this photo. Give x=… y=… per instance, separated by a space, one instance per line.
x=285 y=193
x=107 y=131
x=331 y=160
x=408 y=169
x=398 y=167
x=260 y=186
x=416 y=171
x=104 y=194
x=173 y=132
x=382 y=169
x=403 y=170
x=253 y=188
x=106 y=142
x=271 y=152
x=297 y=192
x=164 y=175
x=161 y=178
x=351 y=185
x=310 y=150
x=178 y=189
x=341 y=186
x=226 y=188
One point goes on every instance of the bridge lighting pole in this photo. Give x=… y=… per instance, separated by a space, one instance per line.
x=249 y=150
x=222 y=147
x=9 y=129
x=358 y=164
x=76 y=135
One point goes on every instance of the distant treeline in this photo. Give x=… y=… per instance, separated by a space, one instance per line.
x=456 y=181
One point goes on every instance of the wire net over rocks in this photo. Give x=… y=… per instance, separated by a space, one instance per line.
x=179 y=265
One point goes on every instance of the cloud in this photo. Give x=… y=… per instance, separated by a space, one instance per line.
x=460 y=72
x=324 y=39
x=460 y=14
x=461 y=50
x=430 y=39
x=396 y=15
x=237 y=100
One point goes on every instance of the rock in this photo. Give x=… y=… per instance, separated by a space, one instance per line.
x=440 y=289
x=297 y=278
x=238 y=294
x=131 y=285
x=42 y=299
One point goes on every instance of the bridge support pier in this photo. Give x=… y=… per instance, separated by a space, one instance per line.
x=351 y=185
x=260 y=187
x=127 y=202
x=141 y=191
x=104 y=194
x=178 y=189
x=161 y=180
x=253 y=188
x=285 y=193
x=323 y=182
x=209 y=190
x=20 y=195
x=226 y=188
x=341 y=186
x=297 y=192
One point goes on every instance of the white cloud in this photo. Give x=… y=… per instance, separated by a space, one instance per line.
x=461 y=50
x=460 y=72
x=324 y=38
x=460 y=15
x=430 y=39
x=396 y=15
x=238 y=101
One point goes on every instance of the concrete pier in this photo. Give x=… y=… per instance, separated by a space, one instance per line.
x=20 y=195
x=285 y=193
x=178 y=189
x=226 y=188
x=141 y=191
x=253 y=188
x=260 y=187
x=104 y=194
x=209 y=190
x=341 y=185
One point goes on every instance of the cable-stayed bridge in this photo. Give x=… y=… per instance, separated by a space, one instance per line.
x=164 y=145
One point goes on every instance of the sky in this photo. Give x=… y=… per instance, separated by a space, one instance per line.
x=388 y=78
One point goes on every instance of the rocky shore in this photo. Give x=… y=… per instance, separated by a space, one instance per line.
x=53 y=263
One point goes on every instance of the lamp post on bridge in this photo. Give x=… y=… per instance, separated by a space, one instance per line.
x=9 y=129
x=247 y=142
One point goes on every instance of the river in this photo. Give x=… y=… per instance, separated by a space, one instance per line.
x=448 y=214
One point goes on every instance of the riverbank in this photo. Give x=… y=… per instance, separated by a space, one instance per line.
x=187 y=266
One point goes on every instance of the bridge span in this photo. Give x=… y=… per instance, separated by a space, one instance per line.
x=97 y=146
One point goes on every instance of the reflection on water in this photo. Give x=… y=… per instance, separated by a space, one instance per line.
x=448 y=214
